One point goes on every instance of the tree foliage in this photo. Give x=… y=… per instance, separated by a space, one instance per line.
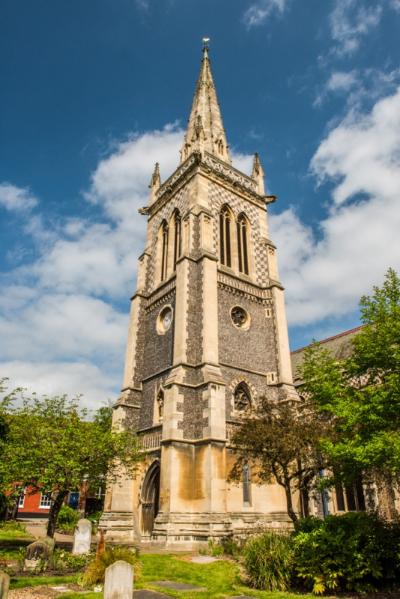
x=281 y=442
x=362 y=392
x=52 y=446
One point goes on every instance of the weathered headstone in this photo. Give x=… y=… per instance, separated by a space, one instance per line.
x=82 y=537
x=4 y=585
x=118 y=582
x=39 y=552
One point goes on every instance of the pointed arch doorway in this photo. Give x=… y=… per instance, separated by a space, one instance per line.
x=150 y=498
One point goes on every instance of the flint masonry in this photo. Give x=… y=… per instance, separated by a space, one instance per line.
x=207 y=338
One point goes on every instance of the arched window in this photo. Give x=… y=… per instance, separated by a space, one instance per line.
x=242 y=235
x=177 y=237
x=241 y=398
x=164 y=255
x=225 y=237
x=246 y=481
x=160 y=406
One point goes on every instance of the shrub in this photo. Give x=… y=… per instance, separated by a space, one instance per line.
x=352 y=552
x=268 y=561
x=65 y=561
x=94 y=517
x=233 y=545
x=67 y=519
x=95 y=572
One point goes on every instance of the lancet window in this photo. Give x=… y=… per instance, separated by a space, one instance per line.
x=164 y=254
x=242 y=241
x=246 y=482
x=225 y=219
x=177 y=237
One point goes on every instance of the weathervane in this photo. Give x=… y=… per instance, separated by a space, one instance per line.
x=206 y=41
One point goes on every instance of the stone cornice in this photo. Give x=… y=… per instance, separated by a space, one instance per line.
x=161 y=293
x=209 y=165
x=234 y=285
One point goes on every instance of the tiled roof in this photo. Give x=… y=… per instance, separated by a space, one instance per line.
x=339 y=345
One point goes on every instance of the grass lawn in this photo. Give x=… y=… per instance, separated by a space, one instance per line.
x=12 y=532
x=221 y=579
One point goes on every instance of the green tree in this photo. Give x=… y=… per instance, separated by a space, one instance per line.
x=280 y=440
x=362 y=393
x=52 y=446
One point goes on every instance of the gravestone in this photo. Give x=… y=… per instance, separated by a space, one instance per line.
x=119 y=581
x=39 y=552
x=82 y=537
x=4 y=585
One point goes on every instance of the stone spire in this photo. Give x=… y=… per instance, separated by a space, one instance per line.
x=155 y=182
x=258 y=174
x=205 y=131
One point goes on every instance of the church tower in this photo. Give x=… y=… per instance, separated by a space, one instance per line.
x=207 y=338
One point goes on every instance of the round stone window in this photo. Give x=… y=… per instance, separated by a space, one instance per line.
x=240 y=317
x=164 y=320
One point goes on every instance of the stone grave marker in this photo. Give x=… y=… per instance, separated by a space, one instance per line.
x=4 y=585
x=37 y=552
x=82 y=537
x=119 y=581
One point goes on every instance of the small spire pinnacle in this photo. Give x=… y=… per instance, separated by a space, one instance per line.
x=205 y=131
x=155 y=182
x=258 y=174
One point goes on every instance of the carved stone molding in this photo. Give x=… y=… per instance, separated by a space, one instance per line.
x=158 y=297
x=244 y=289
x=230 y=173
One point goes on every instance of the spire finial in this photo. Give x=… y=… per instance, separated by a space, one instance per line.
x=206 y=41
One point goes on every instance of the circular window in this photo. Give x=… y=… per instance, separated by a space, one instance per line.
x=164 y=320
x=240 y=317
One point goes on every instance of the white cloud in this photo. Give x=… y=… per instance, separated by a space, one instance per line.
x=261 y=10
x=359 y=87
x=350 y=21
x=120 y=181
x=41 y=326
x=359 y=238
x=342 y=81
x=16 y=199
x=59 y=312
x=363 y=153
x=71 y=378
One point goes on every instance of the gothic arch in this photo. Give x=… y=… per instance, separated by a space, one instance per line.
x=150 y=498
x=243 y=379
x=159 y=406
x=241 y=398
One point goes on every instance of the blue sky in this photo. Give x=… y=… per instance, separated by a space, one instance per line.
x=94 y=92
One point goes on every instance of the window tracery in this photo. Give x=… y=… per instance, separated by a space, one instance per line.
x=241 y=398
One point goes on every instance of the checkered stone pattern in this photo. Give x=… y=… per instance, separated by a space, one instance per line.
x=218 y=196
x=177 y=201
